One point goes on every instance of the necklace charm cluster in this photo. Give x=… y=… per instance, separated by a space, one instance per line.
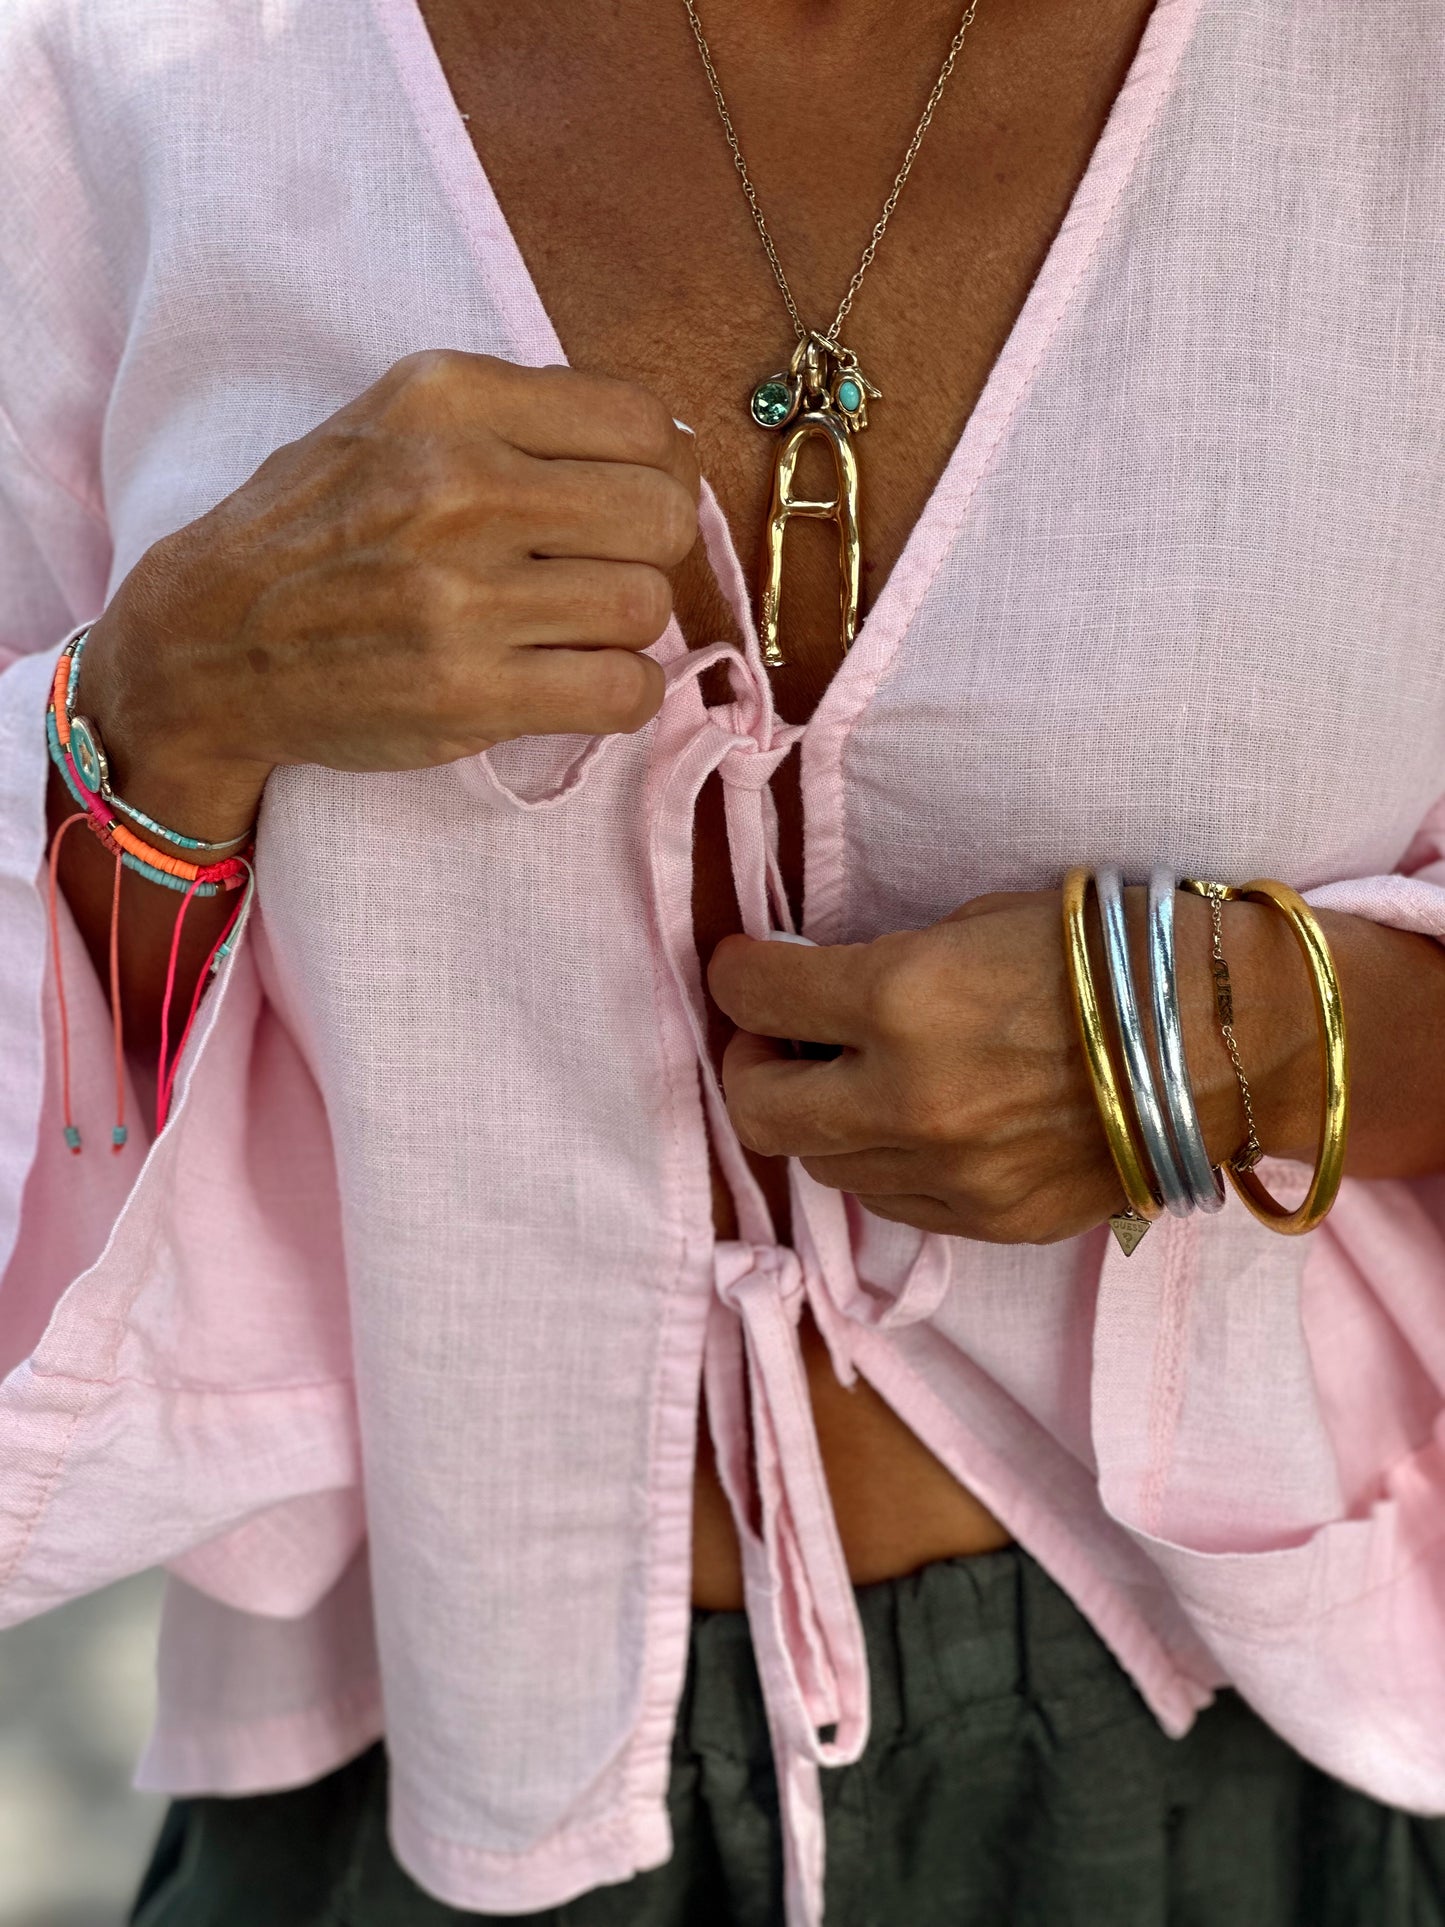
x=823 y=397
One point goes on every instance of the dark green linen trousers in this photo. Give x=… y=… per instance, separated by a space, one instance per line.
x=1014 y=1778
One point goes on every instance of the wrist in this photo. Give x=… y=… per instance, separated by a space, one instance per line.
x=162 y=757
x=1275 y=1026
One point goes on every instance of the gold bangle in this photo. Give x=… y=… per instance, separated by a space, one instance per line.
x=1335 y=1109
x=1128 y=1227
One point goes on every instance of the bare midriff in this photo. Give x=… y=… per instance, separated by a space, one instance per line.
x=600 y=138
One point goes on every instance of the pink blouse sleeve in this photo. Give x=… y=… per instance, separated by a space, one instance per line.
x=1412 y=897
x=172 y=1317
x=1275 y=1441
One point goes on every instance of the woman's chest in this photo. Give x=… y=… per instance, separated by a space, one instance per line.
x=600 y=136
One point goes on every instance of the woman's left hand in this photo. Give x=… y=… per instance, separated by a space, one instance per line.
x=960 y=1101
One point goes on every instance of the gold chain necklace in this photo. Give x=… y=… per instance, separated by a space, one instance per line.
x=824 y=393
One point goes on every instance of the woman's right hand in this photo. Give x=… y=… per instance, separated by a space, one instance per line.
x=469 y=551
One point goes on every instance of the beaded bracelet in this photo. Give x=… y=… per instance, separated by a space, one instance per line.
x=68 y=737
x=174 y=873
x=80 y=737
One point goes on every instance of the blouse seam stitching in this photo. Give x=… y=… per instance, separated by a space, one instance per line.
x=1225 y=1624
x=209 y=1391
x=663 y=1004
x=618 y=1827
x=42 y=1502
x=61 y=1457
x=368 y=1693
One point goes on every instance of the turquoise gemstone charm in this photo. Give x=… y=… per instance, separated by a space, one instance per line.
x=772 y=402
x=850 y=395
x=87 y=754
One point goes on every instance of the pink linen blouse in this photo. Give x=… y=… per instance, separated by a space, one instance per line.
x=389 y=1347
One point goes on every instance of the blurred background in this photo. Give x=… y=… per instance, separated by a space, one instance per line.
x=76 y=1695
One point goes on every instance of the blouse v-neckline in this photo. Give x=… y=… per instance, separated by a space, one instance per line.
x=468 y=188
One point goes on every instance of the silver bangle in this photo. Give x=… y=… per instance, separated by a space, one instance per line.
x=1153 y=1131
x=1206 y=1184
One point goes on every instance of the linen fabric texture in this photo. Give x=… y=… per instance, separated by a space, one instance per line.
x=433 y=1199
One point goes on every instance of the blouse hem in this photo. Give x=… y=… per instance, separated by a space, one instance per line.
x=263 y=1756
x=568 y=1864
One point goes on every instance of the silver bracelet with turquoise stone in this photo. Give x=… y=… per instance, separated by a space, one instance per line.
x=87 y=752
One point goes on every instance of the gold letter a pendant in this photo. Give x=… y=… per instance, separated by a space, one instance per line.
x=843 y=510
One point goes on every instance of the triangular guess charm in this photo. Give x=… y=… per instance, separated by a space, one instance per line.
x=1129 y=1228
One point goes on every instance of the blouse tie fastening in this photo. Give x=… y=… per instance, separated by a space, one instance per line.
x=802 y=1613
x=807 y=1636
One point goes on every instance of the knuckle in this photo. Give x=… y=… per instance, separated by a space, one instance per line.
x=554 y=377
x=619 y=689
x=644 y=421
x=992 y=1178
x=615 y=683
x=893 y=1210
x=754 y=1129
x=650 y=688
x=912 y=989
x=896 y=1001
x=1007 y=1224
x=932 y=1116
x=541 y=393
x=1003 y=1203
x=691 y=470
x=675 y=521
x=442 y=597
x=433 y=487
x=830 y=1173
x=643 y=606
x=428 y=372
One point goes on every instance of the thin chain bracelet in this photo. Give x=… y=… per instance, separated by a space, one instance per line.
x=1251 y=1151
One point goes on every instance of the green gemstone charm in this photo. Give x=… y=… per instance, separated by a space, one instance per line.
x=87 y=755
x=772 y=402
